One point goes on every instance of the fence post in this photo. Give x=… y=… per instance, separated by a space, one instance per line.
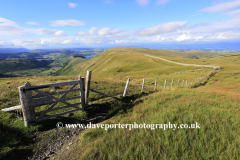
x=143 y=85
x=125 y=90
x=25 y=108
x=155 y=85
x=172 y=83
x=182 y=83
x=88 y=80
x=165 y=84
x=32 y=115
x=82 y=92
x=197 y=79
x=186 y=83
x=189 y=83
x=178 y=84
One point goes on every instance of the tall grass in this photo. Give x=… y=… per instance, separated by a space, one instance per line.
x=217 y=137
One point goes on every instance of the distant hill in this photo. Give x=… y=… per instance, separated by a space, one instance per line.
x=16 y=64
x=69 y=51
x=120 y=61
x=13 y=50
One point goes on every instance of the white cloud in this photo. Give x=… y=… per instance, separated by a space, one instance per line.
x=163 y=28
x=106 y=31
x=125 y=38
x=143 y=2
x=7 y=23
x=60 y=33
x=215 y=26
x=220 y=30
x=162 y=2
x=44 y=41
x=80 y=33
x=32 y=23
x=115 y=31
x=40 y=31
x=67 y=22
x=236 y=12
x=196 y=25
x=183 y=37
x=67 y=41
x=103 y=32
x=92 y=30
x=224 y=6
x=72 y=5
x=119 y=41
x=10 y=28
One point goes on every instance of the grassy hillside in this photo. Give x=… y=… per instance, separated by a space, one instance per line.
x=122 y=63
x=227 y=80
x=214 y=105
x=217 y=137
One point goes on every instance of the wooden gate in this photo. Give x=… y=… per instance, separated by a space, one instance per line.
x=29 y=102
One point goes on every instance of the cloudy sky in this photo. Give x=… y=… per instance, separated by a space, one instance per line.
x=99 y=23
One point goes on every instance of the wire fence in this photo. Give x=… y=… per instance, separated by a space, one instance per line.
x=116 y=87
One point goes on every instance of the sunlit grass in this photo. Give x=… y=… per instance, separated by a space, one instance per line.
x=214 y=105
x=218 y=135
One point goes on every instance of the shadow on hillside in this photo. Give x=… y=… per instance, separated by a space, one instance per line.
x=14 y=138
x=203 y=83
x=113 y=107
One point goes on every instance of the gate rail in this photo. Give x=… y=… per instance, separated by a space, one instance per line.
x=29 y=102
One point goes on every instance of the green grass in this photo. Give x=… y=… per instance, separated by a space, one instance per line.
x=218 y=136
x=213 y=103
x=122 y=63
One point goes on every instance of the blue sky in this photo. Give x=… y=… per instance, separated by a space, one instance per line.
x=100 y=23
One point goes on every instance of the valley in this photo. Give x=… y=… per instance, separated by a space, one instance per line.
x=40 y=62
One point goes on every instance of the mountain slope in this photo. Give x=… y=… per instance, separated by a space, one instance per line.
x=125 y=62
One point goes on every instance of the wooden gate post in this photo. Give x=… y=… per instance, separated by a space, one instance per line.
x=165 y=83
x=88 y=80
x=82 y=92
x=178 y=84
x=31 y=109
x=25 y=108
x=125 y=90
x=143 y=85
x=155 y=85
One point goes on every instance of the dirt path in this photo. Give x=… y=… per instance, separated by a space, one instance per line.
x=183 y=64
x=55 y=149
